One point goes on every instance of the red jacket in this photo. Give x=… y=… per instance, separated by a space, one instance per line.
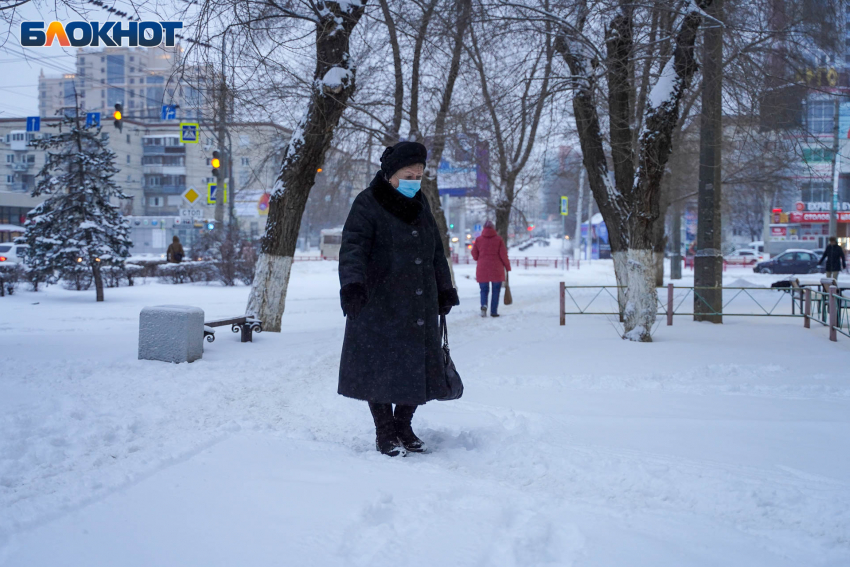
x=492 y=256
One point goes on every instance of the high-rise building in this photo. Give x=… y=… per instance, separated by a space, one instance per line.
x=141 y=79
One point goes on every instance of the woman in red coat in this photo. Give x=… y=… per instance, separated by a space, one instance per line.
x=491 y=254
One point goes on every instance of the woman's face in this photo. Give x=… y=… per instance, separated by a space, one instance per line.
x=412 y=172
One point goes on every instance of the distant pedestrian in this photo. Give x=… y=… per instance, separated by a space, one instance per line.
x=175 y=253
x=490 y=252
x=834 y=256
x=395 y=281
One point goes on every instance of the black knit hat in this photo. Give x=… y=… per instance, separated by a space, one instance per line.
x=401 y=155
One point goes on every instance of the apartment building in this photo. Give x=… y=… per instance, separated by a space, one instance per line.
x=141 y=79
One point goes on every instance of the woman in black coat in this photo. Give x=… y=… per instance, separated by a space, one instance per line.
x=834 y=256
x=395 y=282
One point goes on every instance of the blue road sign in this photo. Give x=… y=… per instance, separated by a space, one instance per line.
x=33 y=123
x=169 y=112
x=189 y=132
x=477 y=228
x=92 y=119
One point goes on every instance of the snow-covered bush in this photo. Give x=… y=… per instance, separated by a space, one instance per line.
x=114 y=275
x=10 y=276
x=201 y=271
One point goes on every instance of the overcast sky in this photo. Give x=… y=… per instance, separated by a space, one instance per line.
x=20 y=66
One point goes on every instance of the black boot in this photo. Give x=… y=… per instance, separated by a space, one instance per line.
x=386 y=438
x=403 y=417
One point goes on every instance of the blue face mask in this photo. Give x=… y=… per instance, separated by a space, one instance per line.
x=409 y=187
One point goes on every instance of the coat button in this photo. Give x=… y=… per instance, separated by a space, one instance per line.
x=415 y=233
x=420 y=322
x=419 y=291
x=418 y=261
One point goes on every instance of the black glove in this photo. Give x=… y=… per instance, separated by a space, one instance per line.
x=353 y=297
x=448 y=299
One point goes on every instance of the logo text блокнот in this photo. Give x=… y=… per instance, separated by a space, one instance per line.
x=109 y=34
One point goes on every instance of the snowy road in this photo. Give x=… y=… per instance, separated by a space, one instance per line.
x=712 y=446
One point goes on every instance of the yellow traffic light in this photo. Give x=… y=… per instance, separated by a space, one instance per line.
x=117 y=115
x=215 y=162
x=319 y=170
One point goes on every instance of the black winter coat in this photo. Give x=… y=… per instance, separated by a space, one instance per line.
x=391 y=245
x=834 y=255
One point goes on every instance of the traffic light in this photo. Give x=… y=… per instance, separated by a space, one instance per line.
x=215 y=162
x=118 y=115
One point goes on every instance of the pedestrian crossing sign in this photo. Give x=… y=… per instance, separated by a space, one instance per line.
x=190 y=132
x=565 y=206
x=211 y=187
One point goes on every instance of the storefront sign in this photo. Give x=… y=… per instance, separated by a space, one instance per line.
x=776 y=231
x=817 y=217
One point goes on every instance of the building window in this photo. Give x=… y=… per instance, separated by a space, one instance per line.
x=115 y=69
x=10 y=158
x=30 y=158
x=819 y=114
x=246 y=161
x=128 y=141
x=115 y=96
x=128 y=158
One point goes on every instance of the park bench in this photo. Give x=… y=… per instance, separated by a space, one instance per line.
x=246 y=324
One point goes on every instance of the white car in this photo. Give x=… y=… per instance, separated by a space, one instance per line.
x=11 y=253
x=745 y=257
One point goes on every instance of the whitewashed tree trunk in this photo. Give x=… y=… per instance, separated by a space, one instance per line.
x=333 y=84
x=621 y=271
x=641 y=302
x=268 y=294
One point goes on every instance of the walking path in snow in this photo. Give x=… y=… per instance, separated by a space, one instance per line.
x=714 y=445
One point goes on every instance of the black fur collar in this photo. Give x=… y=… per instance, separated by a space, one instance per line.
x=403 y=208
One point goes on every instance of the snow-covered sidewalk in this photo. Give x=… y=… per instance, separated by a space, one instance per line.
x=714 y=445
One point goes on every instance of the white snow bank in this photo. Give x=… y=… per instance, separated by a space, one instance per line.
x=713 y=445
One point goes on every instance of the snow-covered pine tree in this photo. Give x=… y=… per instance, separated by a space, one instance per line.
x=76 y=226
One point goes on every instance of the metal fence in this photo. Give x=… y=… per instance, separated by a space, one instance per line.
x=828 y=308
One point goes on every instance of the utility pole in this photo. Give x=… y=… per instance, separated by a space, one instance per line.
x=676 y=244
x=577 y=241
x=589 y=243
x=223 y=171
x=836 y=170
x=708 y=262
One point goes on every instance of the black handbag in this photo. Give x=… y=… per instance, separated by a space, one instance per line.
x=454 y=385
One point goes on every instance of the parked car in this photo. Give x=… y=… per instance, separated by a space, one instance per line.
x=11 y=253
x=790 y=262
x=744 y=257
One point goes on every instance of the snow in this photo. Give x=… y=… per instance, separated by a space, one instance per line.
x=714 y=445
x=662 y=91
x=337 y=77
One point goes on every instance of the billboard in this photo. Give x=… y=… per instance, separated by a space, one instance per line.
x=463 y=168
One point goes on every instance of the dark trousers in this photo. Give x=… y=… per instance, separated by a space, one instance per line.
x=494 y=304
x=383 y=414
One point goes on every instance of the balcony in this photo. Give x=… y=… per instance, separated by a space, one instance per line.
x=19 y=187
x=165 y=190
x=18 y=166
x=160 y=150
x=159 y=169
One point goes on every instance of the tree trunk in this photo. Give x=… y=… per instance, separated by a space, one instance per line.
x=654 y=150
x=98 y=281
x=333 y=84
x=429 y=179
x=659 y=238
x=392 y=135
x=611 y=203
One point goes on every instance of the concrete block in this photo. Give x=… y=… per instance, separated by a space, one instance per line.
x=171 y=333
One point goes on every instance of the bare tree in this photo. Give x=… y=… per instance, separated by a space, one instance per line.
x=514 y=89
